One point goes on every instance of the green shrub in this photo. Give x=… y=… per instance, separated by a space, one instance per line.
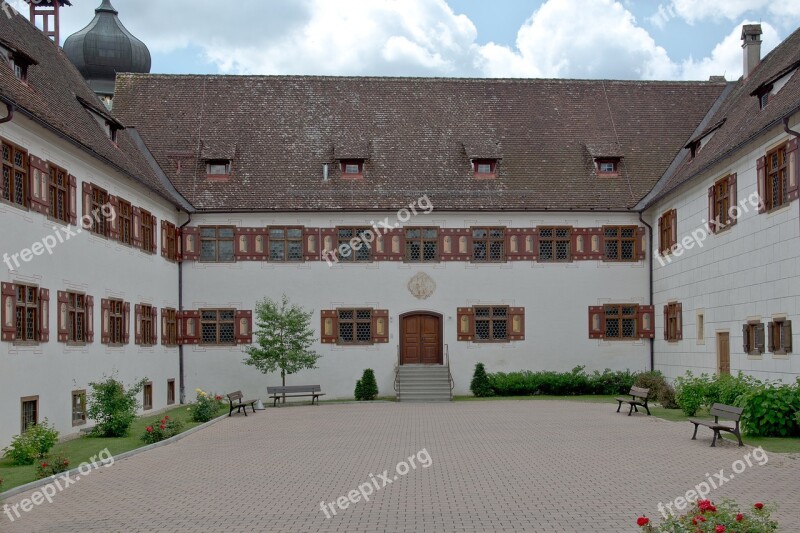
x=34 y=444
x=575 y=382
x=770 y=410
x=366 y=387
x=51 y=465
x=692 y=392
x=164 y=429
x=660 y=390
x=705 y=516
x=113 y=407
x=729 y=389
x=205 y=407
x=480 y=385
x=609 y=382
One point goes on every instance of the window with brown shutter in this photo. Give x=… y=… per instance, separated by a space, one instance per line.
x=285 y=244
x=115 y=323
x=99 y=199
x=354 y=244
x=621 y=321
x=753 y=341
x=422 y=245
x=554 y=244
x=169 y=327
x=147 y=231
x=673 y=322
x=27 y=313
x=59 y=193
x=777 y=176
x=217 y=327
x=780 y=336
x=146 y=325
x=125 y=221
x=488 y=245
x=216 y=244
x=667 y=231
x=169 y=241
x=15 y=174
x=355 y=326
x=491 y=323
x=620 y=243
x=77 y=317
x=723 y=210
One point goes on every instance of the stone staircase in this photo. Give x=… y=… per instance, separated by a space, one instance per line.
x=423 y=383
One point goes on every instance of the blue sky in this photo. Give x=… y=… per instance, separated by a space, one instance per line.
x=627 y=39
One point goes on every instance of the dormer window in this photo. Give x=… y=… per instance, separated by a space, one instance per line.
x=484 y=168
x=218 y=167
x=607 y=166
x=18 y=60
x=20 y=71
x=109 y=124
x=763 y=100
x=352 y=168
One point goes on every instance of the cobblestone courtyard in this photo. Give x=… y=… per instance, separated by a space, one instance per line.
x=496 y=466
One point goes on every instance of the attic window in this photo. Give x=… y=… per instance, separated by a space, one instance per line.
x=607 y=166
x=218 y=167
x=352 y=168
x=20 y=70
x=110 y=125
x=484 y=168
x=763 y=100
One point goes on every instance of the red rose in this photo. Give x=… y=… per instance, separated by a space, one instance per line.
x=166 y=418
x=759 y=506
x=162 y=426
x=642 y=521
x=218 y=397
x=44 y=465
x=739 y=517
x=149 y=429
x=720 y=529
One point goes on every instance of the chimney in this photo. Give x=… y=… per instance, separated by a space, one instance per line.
x=751 y=44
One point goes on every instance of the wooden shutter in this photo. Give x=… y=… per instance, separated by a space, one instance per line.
x=190 y=244
x=746 y=338
x=154 y=331
x=188 y=327
x=243 y=330
x=516 y=323
x=380 y=325
x=164 y=313
x=311 y=244
x=771 y=338
x=466 y=323
x=732 y=201
x=153 y=234
x=712 y=227
x=137 y=324
x=329 y=326
x=163 y=238
x=87 y=200
x=329 y=245
x=455 y=244
x=9 y=311
x=250 y=244
x=73 y=200
x=44 y=315
x=666 y=322
x=389 y=245
x=113 y=223
x=62 y=313
x=89 y=319
x=661 y=244
x=587 y=244
x=641 y=243
x=126 y=322
x=519 y=244
x=793 y=168
x=105 y=310
x=673 y=231
x=646 y=315
x=679 y=320
x=761 y=174
x=38 y=185
x=760 y=337
x=136 y=227
x=597 y=322
x=787 y=335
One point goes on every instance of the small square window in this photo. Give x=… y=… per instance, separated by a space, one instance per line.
x=218 y=167
x=484 y=168
x=170 y=391
x=763 y=100
x=353 y=168
x=147 y=392
x=607 y=166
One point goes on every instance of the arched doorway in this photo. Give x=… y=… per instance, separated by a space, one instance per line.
x=421 y=338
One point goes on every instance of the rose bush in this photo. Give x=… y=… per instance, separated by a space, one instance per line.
x=706 y=517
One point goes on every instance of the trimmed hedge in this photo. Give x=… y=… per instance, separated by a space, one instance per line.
x=576 y=382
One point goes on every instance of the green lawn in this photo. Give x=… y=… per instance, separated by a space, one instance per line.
x=81 y=449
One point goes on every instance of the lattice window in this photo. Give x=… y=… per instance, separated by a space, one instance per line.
x=125 y=221
x=488 y=244
x=147 y=396
x=673 y=322
x=620 y=243
x=491 y=323
x=722 y=201
x=146 y=324
x=15 y=174
x=422 y=245
x=171 y=241
x=27 y=313
x=99 y=200
x=30 y=412
x=171 y=326
x=355 y=326
x=777 y=178
x=59 y=193
x=147 y=231
x=76 y=317
x=78 y=408
x=116 y=322
x=216 y=244
x=361 y=252
x=554 y=244
x=217 y=326
x=285 y=244
x=621 y=321
x=667 y=237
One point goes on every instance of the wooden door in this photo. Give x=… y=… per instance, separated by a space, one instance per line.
x=723 y=353
x=421 y=339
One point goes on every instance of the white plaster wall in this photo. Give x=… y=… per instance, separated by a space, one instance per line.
x=749 y=270
x=556 y=298
x=85 y=263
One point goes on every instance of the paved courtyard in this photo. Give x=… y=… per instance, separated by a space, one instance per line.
x=493 y=466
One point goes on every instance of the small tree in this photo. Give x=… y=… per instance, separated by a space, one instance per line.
x=367 y=387
x=283 y=339
x=480 y=385
x=113 y=407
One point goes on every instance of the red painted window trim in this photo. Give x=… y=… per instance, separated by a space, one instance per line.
x=352 y=175
x=476 y=163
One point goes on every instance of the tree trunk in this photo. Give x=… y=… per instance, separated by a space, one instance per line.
x=283 y=379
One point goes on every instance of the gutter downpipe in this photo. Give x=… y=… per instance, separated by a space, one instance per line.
x=650 y=283
x=10 y=116
x=182 y=373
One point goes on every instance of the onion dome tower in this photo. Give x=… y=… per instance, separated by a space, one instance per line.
x=106 y=47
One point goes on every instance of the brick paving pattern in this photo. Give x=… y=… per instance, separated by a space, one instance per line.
x=496 y=466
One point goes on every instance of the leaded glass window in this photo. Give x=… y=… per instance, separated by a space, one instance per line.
x=620 y=243
x=621 y=321
x=59 y=193
x=216 y=244
x=488 y=245
x=777 y=178
x=355 y=244
x=422 y=245
x=217 y=326
x=355 y=326
x=491 y=323
x=554 y=244
x=285 y=244
x=15 y=174
x=27 y=313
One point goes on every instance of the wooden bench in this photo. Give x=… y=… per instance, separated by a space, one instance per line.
x=240 y=403
x=638 y=398
x=292 y=391
x=720 y=410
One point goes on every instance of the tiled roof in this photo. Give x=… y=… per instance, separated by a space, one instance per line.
x=52 y=96
x=416 y=136
x=743 y=120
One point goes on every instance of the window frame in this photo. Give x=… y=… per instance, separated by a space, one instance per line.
x=777 y=340
x=477 y=163
x=146 y=325
x=620 y=239
x=352 y=257
x=100 y=224
x=13 y=168
x=421 y=241
x=666 y=240
x=170 y=332
x=170 y=243
x=354 y=321
x=607 y=161
x=55 y=190
x=674 y=324
x=217 y=240
x=488 y=240
x=125 y=215
x=218 y=322
x=212 y=163
x=147 y=391
x=782 y=174
x=23 y=401
x=73 y=312
x=491 y=319
x=81 y=420
x=752 y=348
x=116 y=322
x=171 y=391
x=25 y=305
x=146 y=231
x=621 y=317
x=722 y=204
x=554 y=240
x=286 y=240
x=358 y=163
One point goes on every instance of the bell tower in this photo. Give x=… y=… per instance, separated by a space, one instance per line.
x=44 y=15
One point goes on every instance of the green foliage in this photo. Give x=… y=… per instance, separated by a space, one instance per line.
x=165 y=428
x=283 y=339
x=366 y=387
x=205 y=406
x=480 y=385
x=576 y=382
x=661 y=391
x=705 y=517
x=692 y=392
x=34 y=444
x=113 y=407
x=770 y=410
x=729 y=389
x=51 y=465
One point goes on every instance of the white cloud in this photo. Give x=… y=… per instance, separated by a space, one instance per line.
x=783 y=12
